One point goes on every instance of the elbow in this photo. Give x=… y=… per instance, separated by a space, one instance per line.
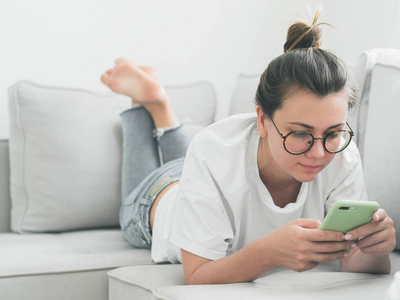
x=195 y=278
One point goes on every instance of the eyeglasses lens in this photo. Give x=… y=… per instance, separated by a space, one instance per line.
x=300 y=141
x=337 y=141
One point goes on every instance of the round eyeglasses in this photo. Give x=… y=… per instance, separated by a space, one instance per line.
x=298 y=142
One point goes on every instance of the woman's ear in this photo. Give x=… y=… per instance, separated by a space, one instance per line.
x=261 y=122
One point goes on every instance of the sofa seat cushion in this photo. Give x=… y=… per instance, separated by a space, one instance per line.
x=67 y=252
x=139 y=282
x=367 y=287
x=323 y=282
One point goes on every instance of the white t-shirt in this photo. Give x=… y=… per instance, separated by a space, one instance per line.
x=221 y=204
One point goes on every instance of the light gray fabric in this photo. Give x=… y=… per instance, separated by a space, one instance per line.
x=65 y=147
x=86 y=285
x=65 y=158
x=244 y=94
x=5 y=200
x=367 y=287
x=46 y=253
x=194 y=104
x=139 y=282
x=379 y=128
x=363 y=71
x=323 y=282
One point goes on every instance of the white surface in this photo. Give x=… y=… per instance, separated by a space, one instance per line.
x=70 y=43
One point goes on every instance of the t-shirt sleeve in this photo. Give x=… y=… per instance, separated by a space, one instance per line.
x=347 y=181
x=201 y=224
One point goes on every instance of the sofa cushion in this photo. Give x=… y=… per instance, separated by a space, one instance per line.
x=65 y=153
x=244 y=94
x=53 y=253
x=79 y=285
x=71 y=265
x=360 y=286
x=378 y=128
x=139 y=282
x=325 y=281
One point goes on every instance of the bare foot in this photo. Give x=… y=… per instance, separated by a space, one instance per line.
x=150 y=71
x=137 y=82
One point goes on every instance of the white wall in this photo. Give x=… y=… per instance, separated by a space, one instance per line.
x=70 y=43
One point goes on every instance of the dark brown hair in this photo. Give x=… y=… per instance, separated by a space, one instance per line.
x=303 y=66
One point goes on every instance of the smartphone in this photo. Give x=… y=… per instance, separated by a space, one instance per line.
x=346 y=215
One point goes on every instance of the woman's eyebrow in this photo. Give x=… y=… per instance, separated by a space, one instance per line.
x=312 y=127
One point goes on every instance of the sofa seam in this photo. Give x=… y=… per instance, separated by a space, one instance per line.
x=120 y=278
x=108 y=269
x=158 y=296
x=23 y=155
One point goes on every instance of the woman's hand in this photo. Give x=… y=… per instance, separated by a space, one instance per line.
x=300 y=245
x=377 y=237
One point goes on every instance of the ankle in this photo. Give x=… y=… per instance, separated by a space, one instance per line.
x=162 y=114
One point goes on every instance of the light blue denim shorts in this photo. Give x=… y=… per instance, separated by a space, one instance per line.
x=134 y=216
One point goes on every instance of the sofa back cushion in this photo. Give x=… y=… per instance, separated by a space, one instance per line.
x=378 y=128
x=244 y=94
x=65 y=153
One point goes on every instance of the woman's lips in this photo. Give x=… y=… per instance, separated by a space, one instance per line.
x=311 y=167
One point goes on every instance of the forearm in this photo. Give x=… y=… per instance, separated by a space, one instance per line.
x=361 y=262
x=245 y=265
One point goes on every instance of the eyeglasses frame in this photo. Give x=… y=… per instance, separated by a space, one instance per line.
x=313 y=138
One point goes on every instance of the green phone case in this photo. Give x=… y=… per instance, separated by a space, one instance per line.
x=346 y=215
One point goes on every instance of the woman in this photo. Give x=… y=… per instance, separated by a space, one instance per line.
x=254 y=187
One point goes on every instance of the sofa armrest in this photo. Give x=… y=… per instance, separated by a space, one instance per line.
x=5 y=199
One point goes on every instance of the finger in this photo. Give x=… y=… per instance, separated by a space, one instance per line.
x=331 y=247
x=326 y=257
x=375 y=248
x=326 y=236
x=379 y=215
x=364 y=230
x=372 y=239
x=308 y=223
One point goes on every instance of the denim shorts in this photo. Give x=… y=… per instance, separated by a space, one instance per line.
x=134 y=215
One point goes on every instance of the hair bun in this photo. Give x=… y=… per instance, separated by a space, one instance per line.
x=301 y=35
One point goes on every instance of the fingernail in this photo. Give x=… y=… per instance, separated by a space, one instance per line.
x=353 y=245
x=377 y=217
x=345 y=255
x=348 y=237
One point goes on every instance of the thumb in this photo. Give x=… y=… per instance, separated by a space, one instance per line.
x=309 y=223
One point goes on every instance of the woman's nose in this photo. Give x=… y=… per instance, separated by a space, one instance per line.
x=317 y=150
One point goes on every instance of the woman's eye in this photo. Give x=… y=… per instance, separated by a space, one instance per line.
x=300 y=134
x=333 y=135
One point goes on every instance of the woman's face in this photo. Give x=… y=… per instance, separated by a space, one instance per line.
x=301 y=111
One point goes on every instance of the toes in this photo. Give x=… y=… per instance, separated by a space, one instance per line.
x=121 y=60
x=150 y=71
x=105 y=78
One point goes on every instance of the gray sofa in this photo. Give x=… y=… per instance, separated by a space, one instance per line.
x=59 y=195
